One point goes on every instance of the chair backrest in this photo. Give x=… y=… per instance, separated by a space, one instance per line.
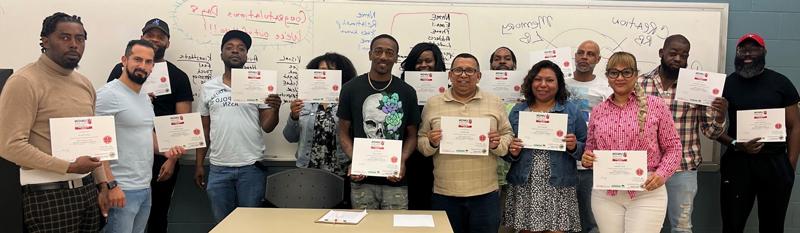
x=305 y=188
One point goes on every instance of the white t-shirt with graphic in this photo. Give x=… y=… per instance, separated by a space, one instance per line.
x=587 y=95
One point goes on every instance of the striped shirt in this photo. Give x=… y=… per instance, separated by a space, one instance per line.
x=689 y=119
x=613 y=127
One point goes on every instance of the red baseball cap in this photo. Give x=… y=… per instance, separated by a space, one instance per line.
x=752 y=36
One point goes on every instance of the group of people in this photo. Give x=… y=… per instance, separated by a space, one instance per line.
x=528 y=190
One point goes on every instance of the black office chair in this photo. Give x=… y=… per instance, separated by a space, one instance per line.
x=305 y=188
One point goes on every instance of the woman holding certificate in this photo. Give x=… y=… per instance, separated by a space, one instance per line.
x=313 y=125
x=419 y=169
x=633 y=147
x=542 y=178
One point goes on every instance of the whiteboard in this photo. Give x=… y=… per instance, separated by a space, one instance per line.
x=289 y=33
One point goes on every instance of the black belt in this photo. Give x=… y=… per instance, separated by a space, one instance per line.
x=69 y=184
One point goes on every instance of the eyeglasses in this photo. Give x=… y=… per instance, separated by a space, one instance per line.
x=749 y=51
x=387 y=52
x=460 y=71
x=614 y=73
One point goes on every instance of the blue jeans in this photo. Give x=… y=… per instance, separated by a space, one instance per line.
x=584 y=191
x=231 y=187
x=132 y=217
x=475 y=214
x=681 y=189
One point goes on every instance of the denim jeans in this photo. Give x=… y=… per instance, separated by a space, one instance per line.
x=584 y=191
x=681 y=189
x=374 y=197
x=132 y=217
x=475 y=214
x=231 y=187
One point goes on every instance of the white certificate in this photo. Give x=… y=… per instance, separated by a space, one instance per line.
x=427 y=84
x=179 y=130
x=465 y=136
x=158 y=81
x=768 y=124
x=561 y=56
x=506 y=84
x=319 y=86
x=376 y=157
x=252 y=86
x=74 y=137
x=699 y=87
x=620 y=170
x=544 y=131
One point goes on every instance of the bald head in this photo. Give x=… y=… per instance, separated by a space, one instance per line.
x=587 y=56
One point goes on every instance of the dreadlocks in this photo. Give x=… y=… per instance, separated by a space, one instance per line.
x=49 y=24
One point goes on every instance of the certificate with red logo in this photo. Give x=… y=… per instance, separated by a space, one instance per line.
x=319 y=86
x=252 y=86
x=561 y=56
x=699 y=87
x=464 y=136
x=543 y=131
x=506 y=84
x=768 y=124
x=427 y=84
x=158 y=81
x=619 y=170
x=74 y=137
x=184 y=130
x=376 y=157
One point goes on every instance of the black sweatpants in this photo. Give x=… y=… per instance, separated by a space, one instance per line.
x=746 y=178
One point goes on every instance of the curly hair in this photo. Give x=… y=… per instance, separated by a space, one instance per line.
x=561 y=95
x=340 y=62
x=50 y=22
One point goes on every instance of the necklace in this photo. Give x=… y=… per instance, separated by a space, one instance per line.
x=376 y=89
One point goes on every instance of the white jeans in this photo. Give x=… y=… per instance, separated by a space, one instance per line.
x=621 y=214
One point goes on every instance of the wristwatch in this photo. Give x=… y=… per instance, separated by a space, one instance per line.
x=111 y=184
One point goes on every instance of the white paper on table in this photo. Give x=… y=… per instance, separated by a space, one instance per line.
x=427 y=84
x=73 y=137
x=561 y=56
x=179 y=130
x=252 y=86
x=376 y=157
x=619 y=170
x=158 y=82
x=319 y=86
x=768 y=124
x=413 y=220
x=506 y=84
x=544 y=131
x=343 y=217
x=699 y=87
x=465 y=136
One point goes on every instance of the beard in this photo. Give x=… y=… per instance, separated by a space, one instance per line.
x=585 y=69
x=139 y=79
x=752 y=69
x=230 y=64
x=160 y=53
x=669 y=70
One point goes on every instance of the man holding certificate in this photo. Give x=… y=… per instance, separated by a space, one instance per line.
x=550 y=133
x=49 y=88
x=379 y=106
x=130 y=175
x=178 y=100
x=755 y=165
x=465 y=184
x=630 y=123
x=690 y=121
x=235 y=134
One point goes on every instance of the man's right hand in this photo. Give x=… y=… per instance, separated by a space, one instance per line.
x=116 y=198
x=83 y=165
x=200 y=177
x=434 y=137
x=752 y=146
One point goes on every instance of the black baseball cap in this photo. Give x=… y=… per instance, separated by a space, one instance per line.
x=238 y=35
x=156 y=23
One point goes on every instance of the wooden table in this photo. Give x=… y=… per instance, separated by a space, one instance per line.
x=302 y=221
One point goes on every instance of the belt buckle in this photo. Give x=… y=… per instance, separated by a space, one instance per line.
x=76 y=183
